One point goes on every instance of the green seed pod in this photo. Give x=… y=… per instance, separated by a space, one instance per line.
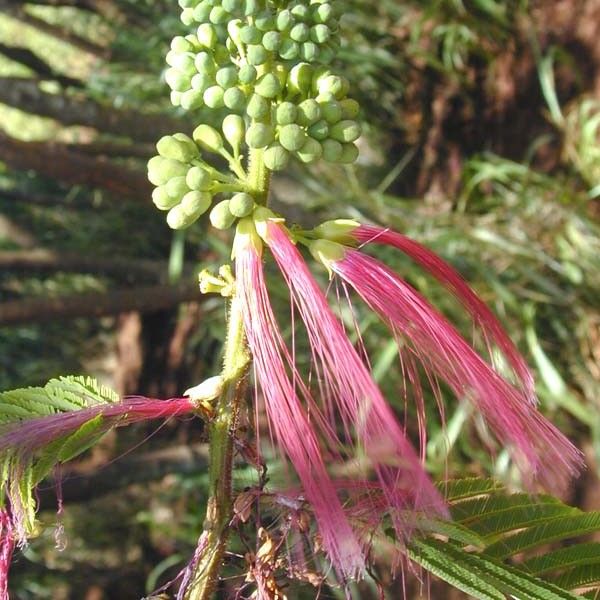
x=182 y=150
x=284 y=20
x=199 y=179
x=332 y=111
x=322 y=13
x=300 y=32
x=179 y=45
x=241 y=205
x=301 y=12
x=187 y=16
x=214 y=97
x=332 y=150
x=177 y=187
x=268 y=86
x=257 y=55
x=292 y=137
x=205 y=63
x=160 y=169
x=259 y=135
x=289 y=49
x=202 y=12
x=309 y=52
x=209 y=138
x=250 y=35
x=234 y=130
x=346 y=131
x=349 y=154
x=227 y=77
x=320 y=130
x=350 y=108
x=207 y=35
x=320 y=33
x=265 y=21
x=218 y=15
x=300 y=78
x=286 y=113
x=258 y=108
x=162 y=200
x=309 y=112
x=247 y=74
x=234 y=99
x=276 y=157
x=271 y=41
x=311 y=151
x=176 y=80
x=196 y=203
x=202 y=81
x=220 y=215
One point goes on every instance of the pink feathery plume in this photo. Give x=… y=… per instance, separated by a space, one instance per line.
x=453 y=281
x=540 y=450
x=353 y=399
x=297 y=434
x=7 y=546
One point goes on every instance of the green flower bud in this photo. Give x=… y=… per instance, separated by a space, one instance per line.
x=207 y=35
x=257 y=55
x=202 y=81
x=160 y=169
x=271 y=41
x=187 y=3
x=286 y=113
x=234 y=29
x=214 y=96
x=332 y=150
x=309 y=112
x=300 y=11
x=175 y=98
x=191 y=100
x=346 y=131
x=322 y=13
x=300 y=78
x=350 y=108
x=194 y=203
x=183 y=150
x=162 y=200
x=218 y=15
x=251 y=7
x=310 y=151
x=172 y=58
x=326 y=54
x=300 y=32
x=319 y=73
x=320 y=33
x=234 y=99
x=177 y=219
x=292 y=137
x=234 y=130
x=276 y=157
x=241 y=205
x=332 y=111
x=179 y=45
x=177 y=187
x=259 y=135
x=250 y=35
x=209 y=138
x=284 y=20
x=202 y=12
x=268 y=86
x=198 y=179
x=220 y=215
x=187 y=16
x=337 y=86
x=227 y=77
x=265 y=21
x=349 y=154
x=309 y=52
x=205 y=63
x=289 y=49
x=258 y=108
x=176 y=80
x=320 y=130
x=232 y=6
x=247 y=74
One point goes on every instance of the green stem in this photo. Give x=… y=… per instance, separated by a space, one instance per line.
x=222 y=427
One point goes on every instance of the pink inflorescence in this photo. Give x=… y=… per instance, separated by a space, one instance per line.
x=7 y=546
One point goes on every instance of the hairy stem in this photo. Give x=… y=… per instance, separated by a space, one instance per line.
x=221 y=430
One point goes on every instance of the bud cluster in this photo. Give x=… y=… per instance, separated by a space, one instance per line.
x=263 y=63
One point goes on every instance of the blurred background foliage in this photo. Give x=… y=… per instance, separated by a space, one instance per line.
x=482 y=122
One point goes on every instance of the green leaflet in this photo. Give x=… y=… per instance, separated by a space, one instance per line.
x=459 y=489
x=562 y=558
x=581 y=576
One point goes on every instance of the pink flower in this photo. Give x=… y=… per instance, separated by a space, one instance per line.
x=539 y=449
x=7 y=546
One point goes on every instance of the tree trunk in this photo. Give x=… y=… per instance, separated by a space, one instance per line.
x=25 y=94
x=58 y=162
